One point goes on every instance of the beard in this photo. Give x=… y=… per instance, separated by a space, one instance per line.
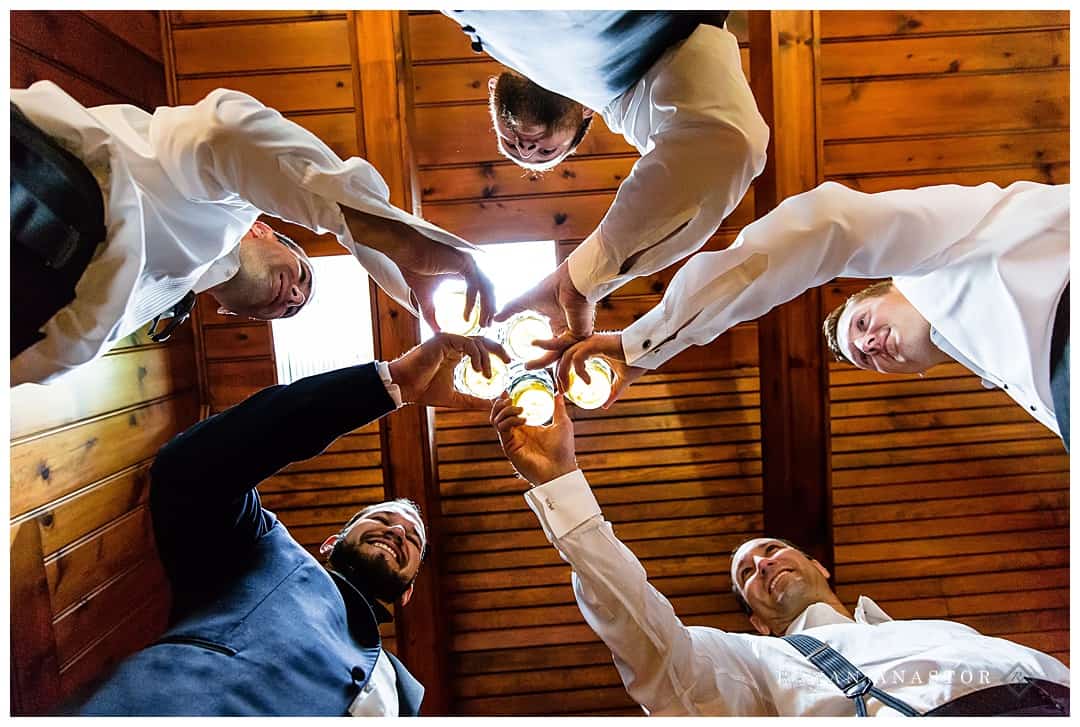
x=368 y=573
x=519 y=101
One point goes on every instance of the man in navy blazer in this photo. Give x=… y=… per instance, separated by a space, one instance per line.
x=258 y=626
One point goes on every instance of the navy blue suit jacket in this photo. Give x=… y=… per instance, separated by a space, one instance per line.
x=259 y=627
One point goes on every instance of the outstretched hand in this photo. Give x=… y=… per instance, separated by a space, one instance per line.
x=571 y=315
x=539 y=454
x=425 y=374
x=424 y=263
x=604 y=345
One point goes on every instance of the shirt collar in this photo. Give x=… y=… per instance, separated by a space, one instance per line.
x=822 y=614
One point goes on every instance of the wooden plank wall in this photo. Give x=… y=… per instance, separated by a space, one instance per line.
x=676 y=464
x=87 y=587
x=949 y=500
x=310 y=77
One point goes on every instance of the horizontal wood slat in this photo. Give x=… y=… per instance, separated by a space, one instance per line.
x=945 y=105
x=194 y=17
x=83 y=566
x=113 y=382
x=73 y=41
x=850 y=23
x=945 y=54
x=539 y=218
x=286 y=92
x=943 y=153
x=261 y=47
x=45 y=469
x=141 y=29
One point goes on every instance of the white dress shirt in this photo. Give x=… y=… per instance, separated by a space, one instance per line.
x=691 y=116
x=379 y=697
x=673 y=669
x=702 y=142
x=182 y=186
x=985 y=266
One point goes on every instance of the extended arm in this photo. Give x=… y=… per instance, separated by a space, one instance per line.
x=807 y=240
x=203 y=498
x=667 y=667
x=705 y=144
x=247 y=152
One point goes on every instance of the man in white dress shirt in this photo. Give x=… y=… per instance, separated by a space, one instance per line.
x=980 y=276
x=672 y=83
x=178 y=193
x=673 y=669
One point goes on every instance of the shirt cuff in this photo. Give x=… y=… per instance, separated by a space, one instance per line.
x=641 y=341
x=391 y=388
x=563 y=504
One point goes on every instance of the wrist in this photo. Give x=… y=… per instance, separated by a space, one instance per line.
x=553 y=472
x=398 y=377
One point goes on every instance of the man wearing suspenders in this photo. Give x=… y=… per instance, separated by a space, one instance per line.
x=811 y=655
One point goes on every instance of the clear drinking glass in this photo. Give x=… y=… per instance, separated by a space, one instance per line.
x=594 y=394
x=449 y=307
x=518 y=333
x=468 y=380
x=534 y=392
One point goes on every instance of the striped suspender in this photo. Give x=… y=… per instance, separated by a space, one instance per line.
x=846 y=676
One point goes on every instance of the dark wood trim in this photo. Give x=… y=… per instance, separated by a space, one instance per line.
x=794 y=390
x=406 y=436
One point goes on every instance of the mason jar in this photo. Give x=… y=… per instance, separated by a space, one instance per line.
x=449 y=300
x=534 y=392
x=518 y=333
x=596 y=392
x=469 y=381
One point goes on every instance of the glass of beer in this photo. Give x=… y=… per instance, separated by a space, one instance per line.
x=468 y=380
x=450 y=307
x=518 y=333
x=534 y=392
x=593 y=394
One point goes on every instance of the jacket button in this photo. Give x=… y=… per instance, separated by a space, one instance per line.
x=358 y=674
x=646 y=343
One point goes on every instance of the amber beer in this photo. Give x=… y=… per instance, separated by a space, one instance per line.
x=520 y=331
x=450 y=307
x=593 y=394
x=469 y=381
x=534 y=392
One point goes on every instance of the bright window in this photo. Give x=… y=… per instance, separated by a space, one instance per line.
x=334 y=329
x=513 y=268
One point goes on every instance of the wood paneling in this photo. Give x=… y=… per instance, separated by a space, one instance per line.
x=948 y=104
x=508 y=588
x=81 y=552
x=262 y=47
x=84 y=47
x=949 y=501
x=286 y=92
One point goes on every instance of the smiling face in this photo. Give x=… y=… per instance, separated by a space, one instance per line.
x=274 y=280
x=883 y=332
x=535 y=128
x=380 y=550
x=778 y=582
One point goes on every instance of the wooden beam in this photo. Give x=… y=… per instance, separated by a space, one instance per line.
x=794 y=393
x=407 y=451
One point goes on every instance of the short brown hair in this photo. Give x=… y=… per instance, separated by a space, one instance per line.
x=828 y=328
